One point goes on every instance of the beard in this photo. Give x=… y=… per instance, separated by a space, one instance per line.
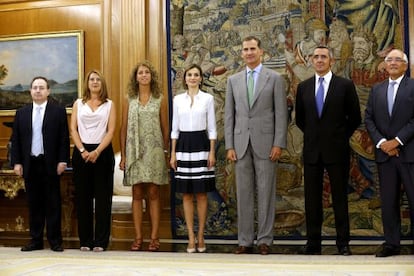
x=360 y=54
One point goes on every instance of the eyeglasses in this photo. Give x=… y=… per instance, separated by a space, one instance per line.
x=398 y=60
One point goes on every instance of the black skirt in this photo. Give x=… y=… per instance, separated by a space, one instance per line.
x=192 y=174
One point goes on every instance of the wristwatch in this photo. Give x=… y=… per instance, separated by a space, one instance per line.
x=81 y=150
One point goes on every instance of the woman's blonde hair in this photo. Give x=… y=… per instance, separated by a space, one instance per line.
x=103 y=95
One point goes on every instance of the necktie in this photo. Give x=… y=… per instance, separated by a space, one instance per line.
x=37 y=139
x=319 y=97
x=250 y=87
x=390 y=96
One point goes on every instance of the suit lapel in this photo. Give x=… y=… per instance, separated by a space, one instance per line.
x=329 y=93
x=312 y=99
x=242 y=87
x=28 y=117
x=261 y=82
x=400 y=96
x=45 y=118
x=383 y=101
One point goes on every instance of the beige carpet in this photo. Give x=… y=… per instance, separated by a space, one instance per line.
x=74 y=262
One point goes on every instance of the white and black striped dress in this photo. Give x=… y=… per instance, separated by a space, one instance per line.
x=193 y=126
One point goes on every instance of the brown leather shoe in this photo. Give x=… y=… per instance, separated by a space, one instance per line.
x=243 y=250
x=264 y=249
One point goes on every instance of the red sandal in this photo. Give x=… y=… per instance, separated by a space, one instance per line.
x=154 y=245
x=136 y=245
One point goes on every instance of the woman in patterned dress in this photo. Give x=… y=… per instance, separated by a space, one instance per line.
x=193 y=137
x=144 y=140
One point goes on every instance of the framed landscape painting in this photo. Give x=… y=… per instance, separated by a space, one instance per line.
x=58 y=56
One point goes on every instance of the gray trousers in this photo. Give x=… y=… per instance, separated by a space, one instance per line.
x=255 y=175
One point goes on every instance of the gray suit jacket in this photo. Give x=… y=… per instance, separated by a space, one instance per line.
x=265 y=123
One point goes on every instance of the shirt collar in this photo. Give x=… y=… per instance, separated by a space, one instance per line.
x=196 y=95
x=258 y=69
x=327 y=77
x=43 y=105
x=398 y=81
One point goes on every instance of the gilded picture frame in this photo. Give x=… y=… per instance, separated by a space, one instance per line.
x=58 y=56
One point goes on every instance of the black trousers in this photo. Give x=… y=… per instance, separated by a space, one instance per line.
x=44 y=199
x=94 y=188
x=313 y=179
x=393 y=174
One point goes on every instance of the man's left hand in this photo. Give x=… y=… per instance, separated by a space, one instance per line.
x=275 y=153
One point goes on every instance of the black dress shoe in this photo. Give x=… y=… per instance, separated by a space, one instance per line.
x=344 y=250
x=310 y=250
x=264 y=249
x=57 y=248
x=31 y=247
x=387 y=250
x=243 y=250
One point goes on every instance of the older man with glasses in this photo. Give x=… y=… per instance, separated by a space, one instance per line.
x=389 y=118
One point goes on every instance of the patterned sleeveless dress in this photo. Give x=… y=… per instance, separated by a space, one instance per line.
x=145 y=159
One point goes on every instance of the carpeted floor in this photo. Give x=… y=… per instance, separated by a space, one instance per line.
x=123 y=262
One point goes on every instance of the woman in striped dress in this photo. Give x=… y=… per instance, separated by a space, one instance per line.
x=193 y=137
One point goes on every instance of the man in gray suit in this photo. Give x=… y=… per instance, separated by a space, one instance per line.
x=255 y=133
x=389 y=118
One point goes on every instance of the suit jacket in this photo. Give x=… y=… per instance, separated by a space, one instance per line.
x=55 y=138
x=265 y=123
x=400 y=124
x=327 y=136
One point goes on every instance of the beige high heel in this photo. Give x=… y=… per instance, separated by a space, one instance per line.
x=202 y=249
x=191 y=249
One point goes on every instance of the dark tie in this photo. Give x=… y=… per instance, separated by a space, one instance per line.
x=390 y=96
x=319 y=97
x=37 y=140
x=250 y=87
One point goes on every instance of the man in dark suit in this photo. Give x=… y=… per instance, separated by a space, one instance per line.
x=389 y=118
x=255 y=133
x=40 y=153
x=327 y=111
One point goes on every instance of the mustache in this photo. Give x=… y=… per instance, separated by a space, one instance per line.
x=361 y=51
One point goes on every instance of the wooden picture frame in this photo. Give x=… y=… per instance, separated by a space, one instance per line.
x=58 y=56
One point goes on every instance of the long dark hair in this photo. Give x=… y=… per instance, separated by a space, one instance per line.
x=188 y=69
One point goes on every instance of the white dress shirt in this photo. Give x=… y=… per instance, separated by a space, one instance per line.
x=396 y=85
x=42 y=116
x=326 y=80
x=196 y=117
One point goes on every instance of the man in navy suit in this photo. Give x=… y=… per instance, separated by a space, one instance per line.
x=327 y=125
x=40 y=153
x=389 y=118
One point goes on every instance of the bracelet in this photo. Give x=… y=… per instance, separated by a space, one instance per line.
x=97 y=152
